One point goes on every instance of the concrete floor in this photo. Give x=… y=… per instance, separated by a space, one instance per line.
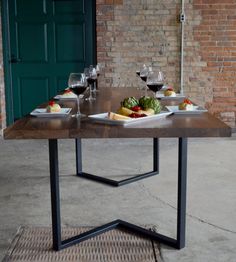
x=211 y=205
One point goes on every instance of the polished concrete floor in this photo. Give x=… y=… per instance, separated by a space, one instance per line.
x=211 y=201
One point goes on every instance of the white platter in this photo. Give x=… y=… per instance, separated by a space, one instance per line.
x=73 y=96
x=162 y=96
x=103 y=118
x=196 y=110
x=42 y=112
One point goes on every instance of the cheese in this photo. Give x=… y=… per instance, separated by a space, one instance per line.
x=114 y=116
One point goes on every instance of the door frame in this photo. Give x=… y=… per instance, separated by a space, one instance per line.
x=92 y=57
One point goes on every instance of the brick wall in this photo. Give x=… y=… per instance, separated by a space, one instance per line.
x=133 y=32
x=211 y=56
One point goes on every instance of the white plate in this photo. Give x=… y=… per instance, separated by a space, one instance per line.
x=103 y=118
x=196 y=110
x=72 y=96
x=162 y=96
x=42 y=112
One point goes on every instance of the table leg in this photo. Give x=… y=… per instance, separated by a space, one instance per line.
x=55 y=194
x=156 y=154
x=78 y=155
x=182 y=188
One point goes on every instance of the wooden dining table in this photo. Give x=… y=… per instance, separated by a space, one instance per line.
x=181 y=127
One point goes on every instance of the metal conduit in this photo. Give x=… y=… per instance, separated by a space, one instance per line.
x=182 y=20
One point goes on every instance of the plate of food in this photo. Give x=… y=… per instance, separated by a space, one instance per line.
x=52 y=110
x=169 y=93
x=186 y=107
x=67 y=94
x=133 y=111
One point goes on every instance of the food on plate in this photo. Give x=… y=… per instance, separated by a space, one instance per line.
x=134 y=108
x=53 y=107
x=69 y=93
x=130 y=102
x=186 y=105
x=147 y=102
x=135 y=111
x=124 y=111
x=137 y=115
x=169 y=92
x=114 y=116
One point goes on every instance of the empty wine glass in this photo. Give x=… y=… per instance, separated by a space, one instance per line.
x=77 y=84
x=155 y=81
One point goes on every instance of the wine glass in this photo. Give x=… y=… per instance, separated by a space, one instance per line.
x=77 y=84
x=98 y=70
x=155 y=81
x=143 y=75
x=91 y=76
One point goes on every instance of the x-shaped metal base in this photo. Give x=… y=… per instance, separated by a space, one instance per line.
x=178 y=243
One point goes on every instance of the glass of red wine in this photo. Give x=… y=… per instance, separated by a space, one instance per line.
x=77 y=84
x=144 y=74
x=91 y=76
x=155 y=81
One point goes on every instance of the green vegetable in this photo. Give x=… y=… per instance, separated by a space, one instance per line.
x=129 y=102
x=150 y=102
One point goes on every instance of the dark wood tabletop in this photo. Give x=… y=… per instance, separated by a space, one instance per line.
x=108 y=99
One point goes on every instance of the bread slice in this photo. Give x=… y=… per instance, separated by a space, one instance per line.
x=114 y=116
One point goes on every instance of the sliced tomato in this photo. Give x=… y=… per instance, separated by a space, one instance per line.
x=136 y=108
x=134 y=115
x=187 y=101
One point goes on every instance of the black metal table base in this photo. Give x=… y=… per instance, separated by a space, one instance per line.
x=177 y=243
x=112 y=182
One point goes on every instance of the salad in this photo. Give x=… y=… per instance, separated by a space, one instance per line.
x=134 y=108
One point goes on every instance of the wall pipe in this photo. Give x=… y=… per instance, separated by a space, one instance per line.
x=182 y=20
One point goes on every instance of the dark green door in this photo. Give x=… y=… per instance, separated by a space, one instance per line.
x=48 y=40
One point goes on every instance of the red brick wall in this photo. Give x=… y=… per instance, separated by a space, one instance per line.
x=213 y=75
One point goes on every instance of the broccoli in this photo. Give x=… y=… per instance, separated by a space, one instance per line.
x=129 y=102
x=150 y=102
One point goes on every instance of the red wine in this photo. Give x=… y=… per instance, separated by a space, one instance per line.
x=78 y=89
x=155 y=87
x=144 y=78
x=138 y=73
